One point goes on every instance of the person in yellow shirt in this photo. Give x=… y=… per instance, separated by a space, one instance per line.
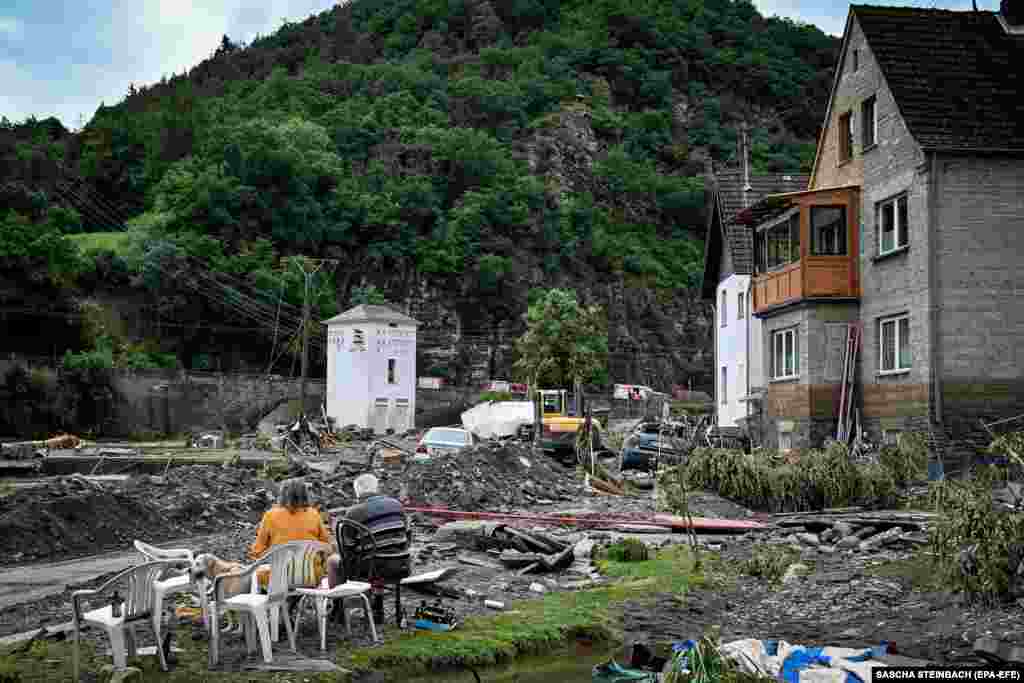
x=293 y=518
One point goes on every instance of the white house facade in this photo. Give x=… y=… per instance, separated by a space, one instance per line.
x=371 y=369
x=738 y=363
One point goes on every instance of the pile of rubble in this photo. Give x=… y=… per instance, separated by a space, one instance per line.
x=494 y=476
x=75 y=514
x=858 y=532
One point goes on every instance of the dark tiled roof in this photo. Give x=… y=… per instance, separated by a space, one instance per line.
x=372 y=313
x=730 y=195
x=956 y=76
x=727 y=202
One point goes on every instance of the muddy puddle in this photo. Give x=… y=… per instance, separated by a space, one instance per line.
x=567 y=667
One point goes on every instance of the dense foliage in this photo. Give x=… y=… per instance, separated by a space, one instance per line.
x=392 y=137
x=564 y=342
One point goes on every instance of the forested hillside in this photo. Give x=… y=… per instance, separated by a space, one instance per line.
x=451 y=155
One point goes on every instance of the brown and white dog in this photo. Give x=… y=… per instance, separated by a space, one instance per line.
x=207 y=566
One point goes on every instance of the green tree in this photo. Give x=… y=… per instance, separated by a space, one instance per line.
x=564 y=342
x=366 y=295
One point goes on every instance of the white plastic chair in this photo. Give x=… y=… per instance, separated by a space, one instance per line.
x=287 y=564
x=140 y=590
x=173 y=585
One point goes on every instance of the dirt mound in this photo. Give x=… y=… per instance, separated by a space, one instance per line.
x=491 y=477
x=72 y=515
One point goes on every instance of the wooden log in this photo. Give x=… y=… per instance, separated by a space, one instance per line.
x=466 y=559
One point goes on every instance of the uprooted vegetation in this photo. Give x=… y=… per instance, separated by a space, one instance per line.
x=811 y=480
x=980 y=544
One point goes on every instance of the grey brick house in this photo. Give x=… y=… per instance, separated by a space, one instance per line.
x=911 y=229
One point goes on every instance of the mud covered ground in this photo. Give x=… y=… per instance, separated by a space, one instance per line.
x=849 y=600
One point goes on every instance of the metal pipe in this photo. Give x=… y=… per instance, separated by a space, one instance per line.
x=933 y=308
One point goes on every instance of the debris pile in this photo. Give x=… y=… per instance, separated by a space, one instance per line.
x=857 y=532
x=76 y=514
x=493 y=476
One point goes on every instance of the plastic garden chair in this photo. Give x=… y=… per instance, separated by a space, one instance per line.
x=323 y=596
x=236 y=592
x=178 y=584
x=140 y=585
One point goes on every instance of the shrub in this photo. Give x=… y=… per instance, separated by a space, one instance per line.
x=496 y=396
x=770 y=563
x=628 y=550
x=979 y=547
x=813 y=480
x=908 y=459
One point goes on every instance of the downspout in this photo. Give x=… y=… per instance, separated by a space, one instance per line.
x=748 y=320
x=933 y=308
x=714 y=369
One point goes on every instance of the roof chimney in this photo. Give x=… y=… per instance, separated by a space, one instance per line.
x=1012 y=12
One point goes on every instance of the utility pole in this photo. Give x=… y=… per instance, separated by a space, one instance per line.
x=306 y=308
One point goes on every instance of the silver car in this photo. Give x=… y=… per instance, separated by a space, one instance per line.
x=444 y=441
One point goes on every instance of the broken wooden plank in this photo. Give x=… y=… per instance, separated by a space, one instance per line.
x=530 y=568
x=466 y=559
x=430 y=577
x=514 y=560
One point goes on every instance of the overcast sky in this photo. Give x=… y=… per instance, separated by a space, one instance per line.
x=63 y=58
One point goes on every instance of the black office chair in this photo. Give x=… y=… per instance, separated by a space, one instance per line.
x=365 y=557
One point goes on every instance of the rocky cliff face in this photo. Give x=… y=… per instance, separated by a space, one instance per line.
x=653 y=339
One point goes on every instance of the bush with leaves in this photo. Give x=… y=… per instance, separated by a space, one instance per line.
x=820 y=479
x=979 y=547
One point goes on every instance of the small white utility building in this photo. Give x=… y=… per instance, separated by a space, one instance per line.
x=371 y=369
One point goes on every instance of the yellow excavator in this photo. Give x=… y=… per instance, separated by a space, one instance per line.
x=561 y=420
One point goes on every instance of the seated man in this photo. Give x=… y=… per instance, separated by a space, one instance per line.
x=382 y=515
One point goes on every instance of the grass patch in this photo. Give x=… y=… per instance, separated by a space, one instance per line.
x=770 y=563
x=93 y=242
x=535 y=626
x=51 y=661
x=919 y=570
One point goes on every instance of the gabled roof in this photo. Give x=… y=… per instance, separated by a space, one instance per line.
x=367 y=313
x=727 y=202
x=957 y=77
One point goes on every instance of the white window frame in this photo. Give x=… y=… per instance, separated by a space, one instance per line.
x=724 y=394
x=785 y=441
x=894 y=203
x=894 y=320
x=724 y=308
x=845 y=126
x=741 y=309
x=874 y=121
x=779 y=336
x=392 y=371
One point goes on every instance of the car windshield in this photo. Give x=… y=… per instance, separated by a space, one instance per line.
x=447 y=437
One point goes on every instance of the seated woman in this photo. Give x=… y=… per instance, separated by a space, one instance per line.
x=294 y=518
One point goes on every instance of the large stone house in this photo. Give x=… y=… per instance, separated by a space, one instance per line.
x=728 y=266
x=910 y=230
